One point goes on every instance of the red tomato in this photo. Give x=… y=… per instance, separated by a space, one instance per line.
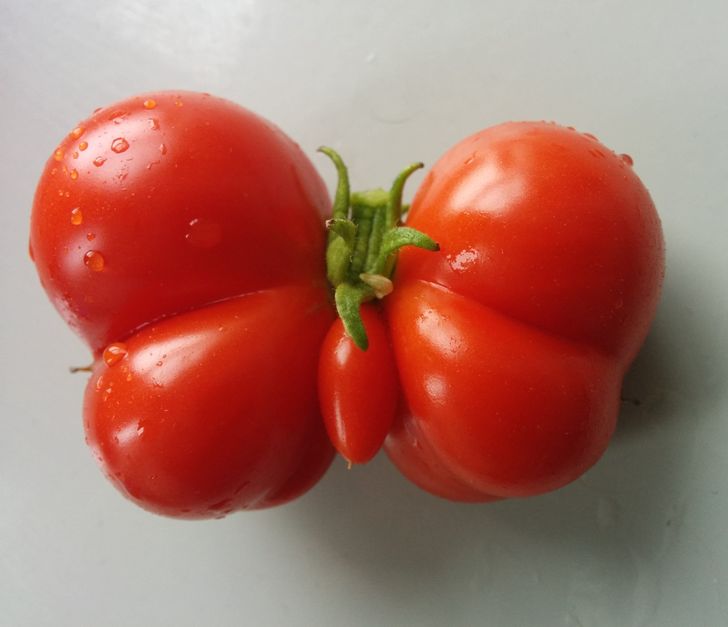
x=358 y=389
x=511 y=343
x=188 y=233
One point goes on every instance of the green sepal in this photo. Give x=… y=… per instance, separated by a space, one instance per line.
x=402 y=236
x=363 y=240
x=348 y=300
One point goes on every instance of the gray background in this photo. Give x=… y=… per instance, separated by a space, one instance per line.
x=640 y=540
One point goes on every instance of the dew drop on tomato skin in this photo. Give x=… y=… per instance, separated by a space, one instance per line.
x=114 y=353
x=82 y=146
x=99 y=161
x=58 y=155
x=94 y=261
x=119 y=145
x=627 y=159
x=77 y=132
x=74 y=175
x=90 y=236
x=154 y=124
x=150 y=103
x=76 y=216
x=116 y=116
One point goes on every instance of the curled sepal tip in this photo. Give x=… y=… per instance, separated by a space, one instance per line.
x=394 y=211
x=340 y=209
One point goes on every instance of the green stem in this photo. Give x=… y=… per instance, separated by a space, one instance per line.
x=365 y=235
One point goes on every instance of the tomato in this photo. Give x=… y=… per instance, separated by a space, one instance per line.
x=182 y=237
x=359 y=389
x=511 y=342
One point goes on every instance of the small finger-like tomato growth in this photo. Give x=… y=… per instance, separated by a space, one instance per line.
x=182 y=237
x=358 y=389
x=358 y=386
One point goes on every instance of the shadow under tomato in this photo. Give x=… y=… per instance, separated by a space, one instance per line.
x=678 y=374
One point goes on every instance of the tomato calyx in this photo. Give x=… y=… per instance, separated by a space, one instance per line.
x=365 y=233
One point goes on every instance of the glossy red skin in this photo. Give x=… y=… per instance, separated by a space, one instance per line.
x=257 y=200
x=358 y=389
x=511 y=343
x=193 y=420
x=210 y=224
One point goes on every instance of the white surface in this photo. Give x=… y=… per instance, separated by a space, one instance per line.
x=641 y=540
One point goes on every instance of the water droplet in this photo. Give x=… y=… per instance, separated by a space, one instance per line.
x=627 y=159
x=114 y=353
x=90 y=236
x=77 y=132
x=470 y=159
x=30 y=251
x=94 y=260
x=96 y=110
x=140 y=430
x=590 y=136
x=73 y=174
x=203 y=233
x=154 y=124
x=76 y=216
x=150 y=103
x=99 y=161
x=116 y=116
x=160 y=363
x=163 y=149
x=82 y=146
x=75 y=154
x=119 y=145
x=58 y=154
x=595 y=152
x=178 y=101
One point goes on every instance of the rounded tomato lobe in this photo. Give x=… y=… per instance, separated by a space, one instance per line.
x=185 y=204
x=546 y=225
x=512 y=341
x=190 y=421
